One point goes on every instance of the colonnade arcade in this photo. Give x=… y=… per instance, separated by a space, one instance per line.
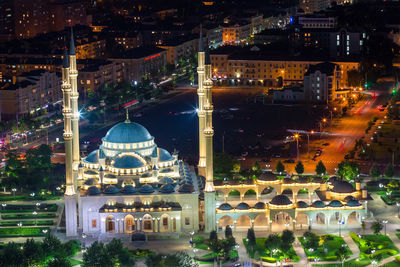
x=275 y=219
x=260 y=186
x=153 y=222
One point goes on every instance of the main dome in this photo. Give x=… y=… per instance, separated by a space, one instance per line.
x=128 y=132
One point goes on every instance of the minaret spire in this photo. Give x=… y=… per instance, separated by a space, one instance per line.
x=72 y=44
x=201 y=48
x=127 y=116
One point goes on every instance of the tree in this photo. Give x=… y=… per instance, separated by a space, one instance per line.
x=228 y=231
x=213 y=236
x=96 y=255
x=59 y=261
x=287 y=240
x=33 y=254
x=51 y=245
x=342 y=254
x=251 y=237
x=223 y=163
x=320 y=169
x=311 y=240
x=374 y=171
x=376 y=227
x=272 y=242
x=348 y=170
x=299 y=168
x=184 y=260
x=389 y=171
x=280 y=167
x=12 y=255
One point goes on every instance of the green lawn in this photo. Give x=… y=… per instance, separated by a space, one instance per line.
x=392 y=264
x=25 y=231
x=29 y=208
x=75 y=262
x=331 y=245
x=27 y=223
x=358 y=263
x=374 y=245
x=261 y=251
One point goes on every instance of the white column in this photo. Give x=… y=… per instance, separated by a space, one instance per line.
x=154 y=225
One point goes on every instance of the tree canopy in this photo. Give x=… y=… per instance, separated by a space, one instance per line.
x=348 y=170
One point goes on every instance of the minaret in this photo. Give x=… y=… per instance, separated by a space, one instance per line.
x=206 y=133
x=70 y=196
x=73 y=74
x=200 y=111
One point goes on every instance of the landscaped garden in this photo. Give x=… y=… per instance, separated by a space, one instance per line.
x=323 y=248
x=223 y=250
x=272 y=249
x=23 y=231
x=39 y=215
x=373 y=248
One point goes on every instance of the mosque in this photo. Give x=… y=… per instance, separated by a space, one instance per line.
x=131 y=185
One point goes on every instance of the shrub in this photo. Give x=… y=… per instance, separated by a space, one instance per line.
x=198 y=239
x=269 y=259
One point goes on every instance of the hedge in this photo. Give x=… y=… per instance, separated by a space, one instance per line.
x=269 y=259
x=28 y=216
x=25 y=223
x=15 y=232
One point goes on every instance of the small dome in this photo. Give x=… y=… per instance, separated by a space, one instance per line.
x=318 y=204
x=225 y=206
x=167 y=189
x=335 y=204
x=101 y=154
x=280 y=200
x=332 y=180
x=318 y=180
x=287 y=180
x=111 y=190
x=186 y=188
x=127 y=133
x=301 y=205
x=92 y=157
x=129 y=190
x=353 y=203
x=91 y=181
x=343 y=187
x=128 y=162
x=243 y=206
x=92 y=191
x=303 y=180
x=348 y=198
x=268 y=176
x=164 y=155
x=166 y=180
x=260 y=205
x=146 y=189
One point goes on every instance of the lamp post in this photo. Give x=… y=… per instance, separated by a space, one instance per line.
x=320 y=127
x=4 y=205
x=37 y=205
x=195 y=251
x=20 y=226
x=340 y=227
x=384 y=223
x=296 y=136
x=14 y=190
x=398 y=209
x=83 y=240
x=35 y=214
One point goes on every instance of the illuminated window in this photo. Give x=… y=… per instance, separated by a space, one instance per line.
x=187 y=220
x=87 y=81
x=94 y=223
x=165 y=221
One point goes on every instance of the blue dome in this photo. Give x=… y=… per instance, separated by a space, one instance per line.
x=335 y=204
x=93 y=190
x=243 y=206
x=146 y=189
x=225 y=206
x=91 y=181
x=167 y=189
x=164 y=155
x=127 y=132
x=129 y=190
x=260 y=205
x=353 y=203
x=301 y=205
x=318 y=204
x=167 y=180
x=280 y=200
x=111 y=190
x=186 y=188
x=128 y=162
x=92 y=157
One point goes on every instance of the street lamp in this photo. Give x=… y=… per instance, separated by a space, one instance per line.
x=37 y=205
x=83 y=240
x=34 y=214
x=384 y=223
x=340 y=227
x=32 y=194
x=14 y=190
x=296 y=136
x=44 y=231
x=4 y=205
x=398 y=209
x=20 y=227
x=195 y=251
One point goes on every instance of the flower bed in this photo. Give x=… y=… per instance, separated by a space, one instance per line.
x=261 y=252
x=332 y=245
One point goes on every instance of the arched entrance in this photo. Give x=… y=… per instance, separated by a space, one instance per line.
x=319 y=218
x=129 y=224
x=302 y=221
x=234 y=194
x=261 y=221
x=281 y=221
x=335 y=218
x=110 y=224
x=250 y=194
x=267 y=190
x=243 y=222
x=224 y=221
x=147 y=223
x=354 y=219
x=164 y=223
